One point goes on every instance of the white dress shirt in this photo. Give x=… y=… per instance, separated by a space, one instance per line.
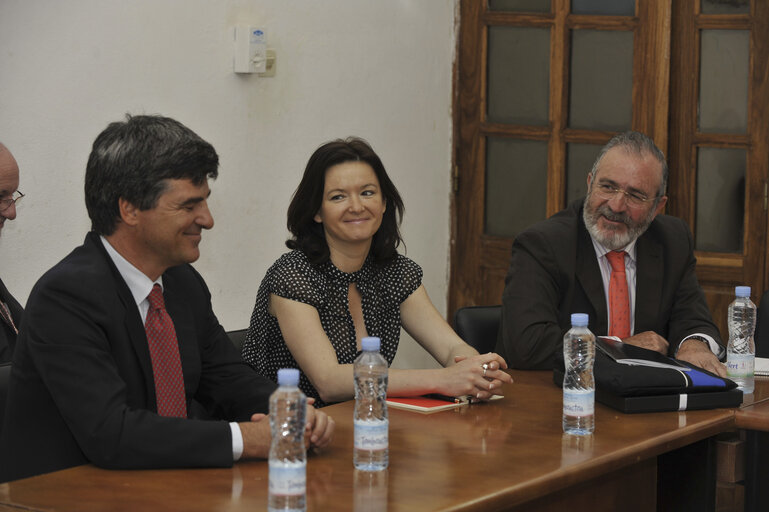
x=140 y=286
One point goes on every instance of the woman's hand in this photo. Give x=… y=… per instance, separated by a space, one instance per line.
x=477 y=376
x=319 y=430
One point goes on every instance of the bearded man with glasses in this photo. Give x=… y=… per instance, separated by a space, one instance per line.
x=10 y=310
x=615 y=257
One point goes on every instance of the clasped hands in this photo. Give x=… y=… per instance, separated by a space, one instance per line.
x=318 y=432
x=476 y=376
x=692 y=351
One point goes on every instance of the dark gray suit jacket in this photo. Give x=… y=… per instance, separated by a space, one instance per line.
x=7 y=334
x=554 y=272
x=82 y=387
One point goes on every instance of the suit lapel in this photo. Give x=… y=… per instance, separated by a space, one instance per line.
x=589 y=277
x=649 y=275
x=131 y=319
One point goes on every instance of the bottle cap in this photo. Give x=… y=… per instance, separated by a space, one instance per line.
x=288 y=377
x=370 y=344
x=579 y=319
x=742 y=291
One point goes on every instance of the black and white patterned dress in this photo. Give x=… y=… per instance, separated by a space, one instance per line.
x=325 y=287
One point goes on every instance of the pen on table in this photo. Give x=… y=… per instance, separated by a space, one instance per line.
x=456 y=399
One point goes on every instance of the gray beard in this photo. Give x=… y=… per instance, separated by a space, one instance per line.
x=613 y=240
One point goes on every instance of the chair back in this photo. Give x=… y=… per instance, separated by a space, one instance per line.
x=478 y=326
x=237 y=338
x=762 y=327
x=5 y=379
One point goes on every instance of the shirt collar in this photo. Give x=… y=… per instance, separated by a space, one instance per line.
x=138 y=283
x=601 y=250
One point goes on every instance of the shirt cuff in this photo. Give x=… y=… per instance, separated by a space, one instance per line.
x=717 y=349
x=237 y=441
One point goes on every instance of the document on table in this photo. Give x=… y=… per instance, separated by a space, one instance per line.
x=762 y=366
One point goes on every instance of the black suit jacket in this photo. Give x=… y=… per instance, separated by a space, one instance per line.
x=82 y=387
x=554 y=272
x=7 y=334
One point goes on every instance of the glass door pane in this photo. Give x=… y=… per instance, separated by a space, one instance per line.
x=726 y=6
x=601 y=85
x=720 y=200
x=516 y=185
x=724 y=64
x=520 y=5
x=605 y=7
x=518 y=75
x=579 y=162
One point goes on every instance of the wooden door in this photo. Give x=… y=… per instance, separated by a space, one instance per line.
x=719 y=142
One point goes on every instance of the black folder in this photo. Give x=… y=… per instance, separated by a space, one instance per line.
x=653 y=382
x=676 y=402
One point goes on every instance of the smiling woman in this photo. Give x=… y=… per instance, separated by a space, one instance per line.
x=345 y=280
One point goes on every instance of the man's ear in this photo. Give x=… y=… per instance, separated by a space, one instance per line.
x=128 y=212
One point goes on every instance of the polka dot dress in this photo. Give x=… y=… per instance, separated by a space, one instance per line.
x=325 y=287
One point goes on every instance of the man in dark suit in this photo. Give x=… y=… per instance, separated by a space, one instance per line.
x=563 y=265
x=10 y=310
x=120 y=341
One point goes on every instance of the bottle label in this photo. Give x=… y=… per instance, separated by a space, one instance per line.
x=740 y=365
x=371 y=434
x=578 y=402
x=288 y=478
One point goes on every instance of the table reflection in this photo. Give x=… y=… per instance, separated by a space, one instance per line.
x=576 y=449
x=370 y=491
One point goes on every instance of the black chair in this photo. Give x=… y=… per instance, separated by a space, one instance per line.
x=478 y=326
x=762 y=327
x=237 y=338
x=5 y=379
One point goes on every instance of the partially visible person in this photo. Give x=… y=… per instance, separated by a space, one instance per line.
x=10 y=310
x=344 y=280
x=119 y=339
x=615 y=257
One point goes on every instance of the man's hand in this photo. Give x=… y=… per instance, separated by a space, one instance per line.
x=698 y=353
x=319 y=431
x=256 y=437
x=649 y=340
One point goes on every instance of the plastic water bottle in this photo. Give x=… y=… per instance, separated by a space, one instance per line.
x=370 y=452
x=741 y=350
x=288 y=456
x=578 y=383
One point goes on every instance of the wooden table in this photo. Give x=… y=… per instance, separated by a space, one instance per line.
x=506 y=455
x=754 y=412
x=753 y=416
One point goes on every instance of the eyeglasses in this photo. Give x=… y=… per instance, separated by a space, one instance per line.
x=633 y=199
x=6 y=203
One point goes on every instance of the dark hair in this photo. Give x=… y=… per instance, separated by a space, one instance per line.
x=307 y=235
x=638 y=143
x=131 y=159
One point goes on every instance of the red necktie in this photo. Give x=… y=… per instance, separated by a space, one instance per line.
x=619 y=300
x=164 y=352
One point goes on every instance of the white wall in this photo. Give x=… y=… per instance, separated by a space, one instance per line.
x=378 y=69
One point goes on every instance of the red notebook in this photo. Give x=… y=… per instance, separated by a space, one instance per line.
x=427 y=404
